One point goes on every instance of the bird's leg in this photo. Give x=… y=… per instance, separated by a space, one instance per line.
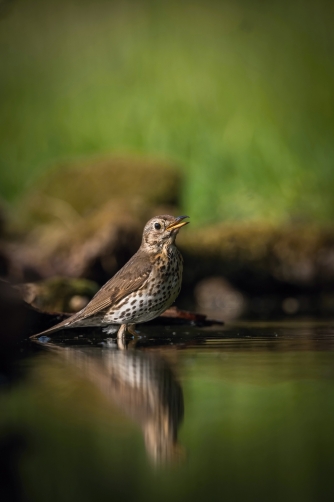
x=121 y=343
x=134 y=333
x=124 y=328
x=131 y=329
x=121 y=332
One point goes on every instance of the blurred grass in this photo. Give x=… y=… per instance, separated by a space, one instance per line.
x=239 y=94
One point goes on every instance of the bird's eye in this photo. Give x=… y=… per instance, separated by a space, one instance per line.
x=157 y=226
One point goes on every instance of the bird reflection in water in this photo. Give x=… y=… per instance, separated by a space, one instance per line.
x=144 y=387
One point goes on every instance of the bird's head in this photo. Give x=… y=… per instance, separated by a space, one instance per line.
x=161 y=231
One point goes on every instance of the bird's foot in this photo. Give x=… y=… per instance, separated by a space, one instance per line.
x=132 y=331
x=121 y=342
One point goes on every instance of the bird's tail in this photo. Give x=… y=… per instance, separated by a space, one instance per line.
x=61 y=325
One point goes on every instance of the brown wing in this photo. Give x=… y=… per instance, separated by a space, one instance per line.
x=130 y=278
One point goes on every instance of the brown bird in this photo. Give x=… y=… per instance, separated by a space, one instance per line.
x=140 y=291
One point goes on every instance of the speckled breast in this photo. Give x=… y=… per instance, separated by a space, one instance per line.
x=159 y=292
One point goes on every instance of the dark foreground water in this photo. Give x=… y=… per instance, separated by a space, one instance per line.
x=240 y=413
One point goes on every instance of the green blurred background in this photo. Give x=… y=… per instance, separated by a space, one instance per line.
x=239 y=94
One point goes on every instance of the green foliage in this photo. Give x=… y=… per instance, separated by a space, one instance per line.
x=238 y=93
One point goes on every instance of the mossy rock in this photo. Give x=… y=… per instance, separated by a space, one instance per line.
x=59 y=294
x=75 y=189
x=94 y=247
x=258 y=257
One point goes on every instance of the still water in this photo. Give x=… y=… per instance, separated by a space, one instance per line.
x=243 y=412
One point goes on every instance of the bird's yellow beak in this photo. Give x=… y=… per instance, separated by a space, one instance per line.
x=178 y=223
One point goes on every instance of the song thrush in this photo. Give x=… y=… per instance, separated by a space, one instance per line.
x=140 y=291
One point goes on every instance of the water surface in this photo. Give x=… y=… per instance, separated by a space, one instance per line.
x=240 y=412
